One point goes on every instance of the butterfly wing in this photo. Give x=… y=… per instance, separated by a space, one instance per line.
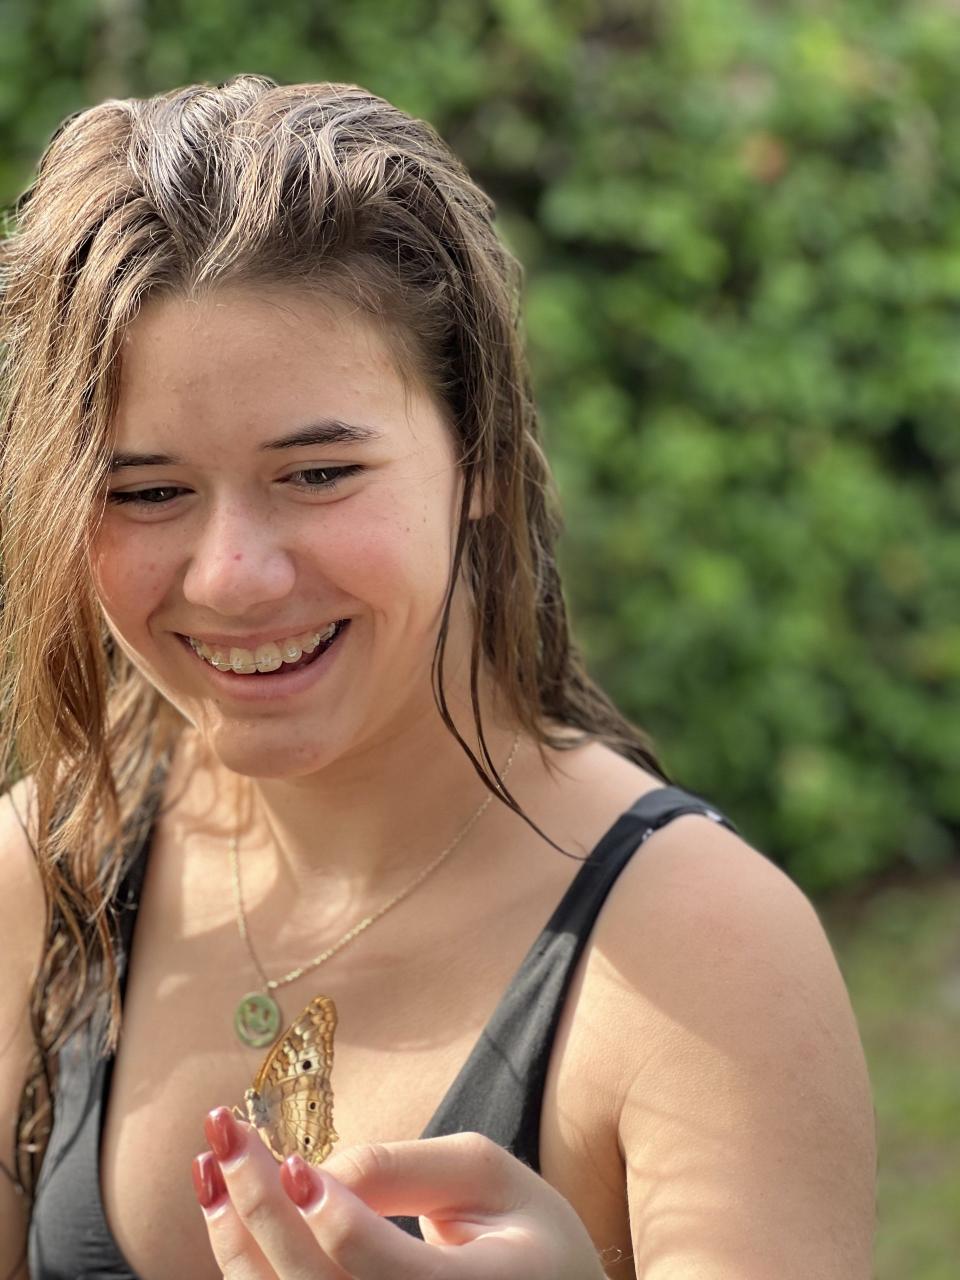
x=291 y=1102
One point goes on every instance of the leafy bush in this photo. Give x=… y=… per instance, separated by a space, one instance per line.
x=741 y=224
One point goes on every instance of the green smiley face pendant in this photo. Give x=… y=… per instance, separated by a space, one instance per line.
x=257 y=1019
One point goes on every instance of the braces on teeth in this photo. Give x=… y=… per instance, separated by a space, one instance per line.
x=266 y=657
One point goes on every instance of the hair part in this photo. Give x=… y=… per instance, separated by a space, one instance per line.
x=322 y=186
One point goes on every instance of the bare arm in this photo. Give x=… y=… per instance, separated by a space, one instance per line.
x=747 y=1125
x=21 y=933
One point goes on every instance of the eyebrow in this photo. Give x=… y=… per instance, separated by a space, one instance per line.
x=327 y=431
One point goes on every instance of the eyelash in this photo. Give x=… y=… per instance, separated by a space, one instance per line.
x=138 y=497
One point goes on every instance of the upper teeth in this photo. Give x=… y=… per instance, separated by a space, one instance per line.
x=266 y=657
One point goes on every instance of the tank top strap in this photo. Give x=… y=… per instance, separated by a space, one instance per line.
x=499 y=1090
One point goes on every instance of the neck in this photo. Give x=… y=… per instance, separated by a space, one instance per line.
x=379 y=816
x=372 y=818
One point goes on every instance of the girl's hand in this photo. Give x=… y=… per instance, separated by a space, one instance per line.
x=484 y=1215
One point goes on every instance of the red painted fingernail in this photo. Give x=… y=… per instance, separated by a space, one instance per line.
x=302 y=1184
x=222 y=1133
x=208 y=1181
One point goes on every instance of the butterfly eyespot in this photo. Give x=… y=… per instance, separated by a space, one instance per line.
x=306 y=1142
x=311 y=1106
x=305 y=1066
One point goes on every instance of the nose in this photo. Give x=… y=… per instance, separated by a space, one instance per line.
x=237 y=564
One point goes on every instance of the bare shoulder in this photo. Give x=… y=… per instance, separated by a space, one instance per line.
x=21 y=940
x=745 y=1112
x=21 y=894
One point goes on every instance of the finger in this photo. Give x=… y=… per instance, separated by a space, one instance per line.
x=464 y=1176
x=368 y=1247
x=270 y=1223
x=236 y=1254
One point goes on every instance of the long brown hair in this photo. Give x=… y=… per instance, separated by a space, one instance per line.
x=322 y=185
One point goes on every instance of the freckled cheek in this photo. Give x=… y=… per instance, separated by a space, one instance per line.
x=380 y=561
x=129 y=583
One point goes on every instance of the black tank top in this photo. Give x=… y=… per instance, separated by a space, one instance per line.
x=498 y=1091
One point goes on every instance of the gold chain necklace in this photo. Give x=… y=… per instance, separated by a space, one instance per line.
x=257 y=1019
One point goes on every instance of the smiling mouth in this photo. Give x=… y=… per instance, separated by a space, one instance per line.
x=267 y=660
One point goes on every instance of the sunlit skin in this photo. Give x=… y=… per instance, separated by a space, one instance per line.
x=234 y=539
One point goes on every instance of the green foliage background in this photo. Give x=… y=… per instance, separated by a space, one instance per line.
x=741 y=225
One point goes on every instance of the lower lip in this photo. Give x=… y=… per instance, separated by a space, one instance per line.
x=269 y=687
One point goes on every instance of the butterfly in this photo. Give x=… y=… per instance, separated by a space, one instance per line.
x=290 y=1103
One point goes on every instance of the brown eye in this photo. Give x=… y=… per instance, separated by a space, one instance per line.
x=154 y=497
x=323 y=477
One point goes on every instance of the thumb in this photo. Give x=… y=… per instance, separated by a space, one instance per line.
x=464 y=1178
x=343 y=1208
x=467 y=1191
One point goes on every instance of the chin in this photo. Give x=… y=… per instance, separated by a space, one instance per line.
x=252 y=753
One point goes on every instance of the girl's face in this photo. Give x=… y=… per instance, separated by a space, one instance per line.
x=278 y=532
